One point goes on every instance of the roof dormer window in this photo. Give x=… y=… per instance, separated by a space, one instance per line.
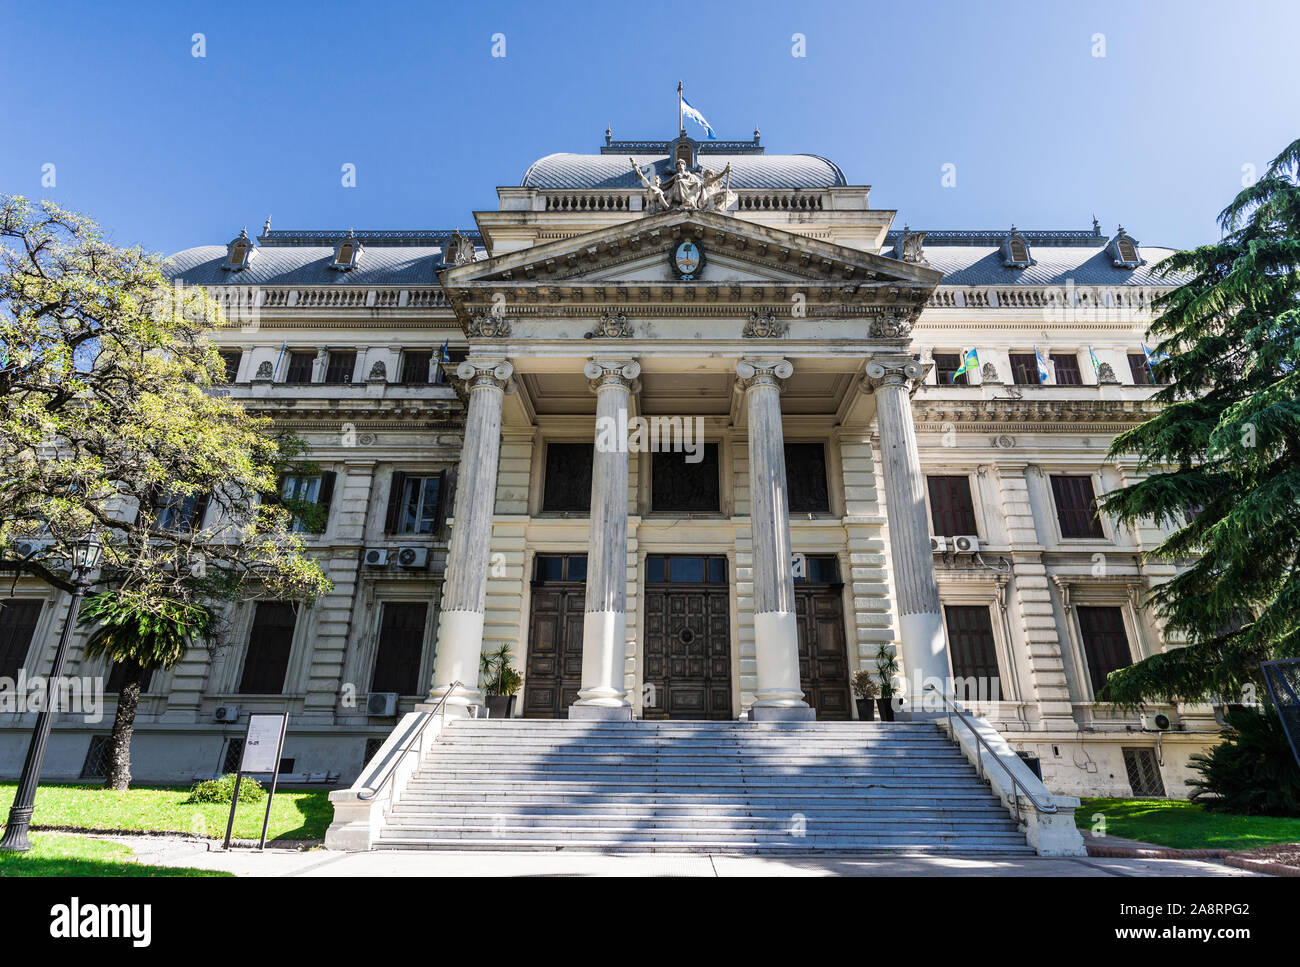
x=1015 y=251
x=1123 y=250
x=347 y=254
x=239 y=252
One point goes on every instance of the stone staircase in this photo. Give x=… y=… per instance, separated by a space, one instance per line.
x=518 y=784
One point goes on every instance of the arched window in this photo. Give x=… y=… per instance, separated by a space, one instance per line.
x=1123 y=250
x=347 y=254
x=239 y=252
x=1015 y=251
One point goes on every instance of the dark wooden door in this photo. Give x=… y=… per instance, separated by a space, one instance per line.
x=823 y=651
x=687 y=652
x=554 y=670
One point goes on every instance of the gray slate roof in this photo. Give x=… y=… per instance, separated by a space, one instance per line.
x=579 y=171
x=1090 y=265
x=310 y=265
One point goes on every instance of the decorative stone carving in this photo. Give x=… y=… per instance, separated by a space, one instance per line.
x=892 y=372
x=911 y=247
x=1106 y=373
x=764 y=325
x=989 y=374
x=484 y=324
x=378 y=372
x=459 y=251
x=891 y=325
x=265 y=371
x=771 y=372
x=490 y=372
x=612 y=325
x=709 y=191
x=601 y=371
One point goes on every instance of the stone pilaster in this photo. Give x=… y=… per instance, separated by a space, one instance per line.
x=460 y=622
x=604 y=631
x=920 y=622
x=776 y=636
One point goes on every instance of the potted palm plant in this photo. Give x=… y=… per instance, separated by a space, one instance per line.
x=886 y=670
x=865 y=691
x=501 y=682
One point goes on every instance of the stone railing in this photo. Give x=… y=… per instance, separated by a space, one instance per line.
x=239 y=301
x=1132 y=298
x=798 y=201
x=589 y=201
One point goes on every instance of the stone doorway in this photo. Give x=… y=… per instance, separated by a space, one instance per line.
x=688 y=638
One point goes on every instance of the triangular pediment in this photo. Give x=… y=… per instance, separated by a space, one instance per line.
x=734 y=251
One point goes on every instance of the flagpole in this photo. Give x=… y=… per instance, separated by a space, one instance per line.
x=681 y=125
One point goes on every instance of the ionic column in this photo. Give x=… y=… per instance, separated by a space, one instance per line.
x=464 y=593
x=924 y=646
x=604 y=626
x=776 y=633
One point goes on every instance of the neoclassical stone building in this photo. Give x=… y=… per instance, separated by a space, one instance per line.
x=694 y=436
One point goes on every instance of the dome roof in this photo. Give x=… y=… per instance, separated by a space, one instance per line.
x=747 y=170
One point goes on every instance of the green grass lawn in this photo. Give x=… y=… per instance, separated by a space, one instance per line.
x=1180 y=824
x=300 y=814
x=61 y=855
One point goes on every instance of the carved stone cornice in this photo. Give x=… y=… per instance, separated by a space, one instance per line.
x=612 y=325
x=893 y=323
x=485 y=373
x=1028 y=415
x=764 y=371
x=611 y=372
x=764 y=325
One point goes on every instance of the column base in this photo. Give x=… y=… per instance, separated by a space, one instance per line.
x=782 y=713
x=606 y=713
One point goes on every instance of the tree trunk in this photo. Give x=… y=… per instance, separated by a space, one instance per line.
x=117 y=764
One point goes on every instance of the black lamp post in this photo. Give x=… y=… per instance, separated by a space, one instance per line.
x=85 y=557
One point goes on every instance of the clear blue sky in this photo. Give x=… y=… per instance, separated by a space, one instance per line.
x=171 y=150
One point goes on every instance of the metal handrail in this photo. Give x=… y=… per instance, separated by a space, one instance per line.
x=954 y=708
x=375 y=790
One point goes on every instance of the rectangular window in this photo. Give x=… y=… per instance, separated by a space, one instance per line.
x=18 y=619
x=805 y=475
x=974 y=653
x=952 y=511
x=415 y=367
x=340 y=368
x=566 y=488
x=945 y=364
x=685 y=488
x=300 y=366
x=401 y=646
x=1076 y=507
x=182 y=514
x=309 y=496
x=1143 y=773
x=1024 y=368
x=1105 y=643
x=1137 y=365
x=230 y=361
x=685 y=569
x=1067 y=369
x=267 y=660
x=414 y=504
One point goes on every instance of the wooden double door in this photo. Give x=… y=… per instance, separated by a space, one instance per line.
x=687 y=638
x=553 y=673
x=823 y=648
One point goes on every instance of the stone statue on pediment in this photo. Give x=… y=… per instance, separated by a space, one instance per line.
x=655 y=199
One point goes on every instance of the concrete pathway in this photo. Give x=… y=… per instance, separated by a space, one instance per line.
x=165 y=851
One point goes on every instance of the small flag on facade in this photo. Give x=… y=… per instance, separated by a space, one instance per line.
x=1096 y=363
x=1042 y=366
x=445 y=357
x=969 y=364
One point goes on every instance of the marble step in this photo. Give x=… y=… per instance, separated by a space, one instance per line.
x=974 y=846
x=780 y=823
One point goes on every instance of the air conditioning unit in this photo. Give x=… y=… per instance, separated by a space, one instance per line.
x=381 y=703
x=1156 y=722
x=226 y=714
x=966 y=544
x=376 y=556
x=32 y=547
x=413 y=557
x=938 y=545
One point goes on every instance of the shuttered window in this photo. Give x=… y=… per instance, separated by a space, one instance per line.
x=945 y=364
x=1076 y=507
x=415 y=367
x=300 y=365
x=340 y=368
x=416 y=504
x=952 y=511
x=401 y=646
x=1024 y=368
x=17 y=625
x=1066 y=366
x=1105 y=643
x=974 y=653
x=266 y=661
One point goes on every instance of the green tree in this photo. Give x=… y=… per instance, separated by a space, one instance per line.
x=109 y=427
x=1222 y=457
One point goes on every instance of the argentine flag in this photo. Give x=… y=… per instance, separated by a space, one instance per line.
x=697 y=117
x=1042 y=366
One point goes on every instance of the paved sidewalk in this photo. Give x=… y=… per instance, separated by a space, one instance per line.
x=320 y=862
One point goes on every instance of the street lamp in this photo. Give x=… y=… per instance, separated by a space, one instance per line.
x=85 y=558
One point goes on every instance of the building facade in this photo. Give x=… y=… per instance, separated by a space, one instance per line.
x=696 y=433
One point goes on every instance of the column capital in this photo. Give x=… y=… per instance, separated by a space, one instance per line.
x=763 y=371
x=606 y=372
x=480 y=373
x=892 y=372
